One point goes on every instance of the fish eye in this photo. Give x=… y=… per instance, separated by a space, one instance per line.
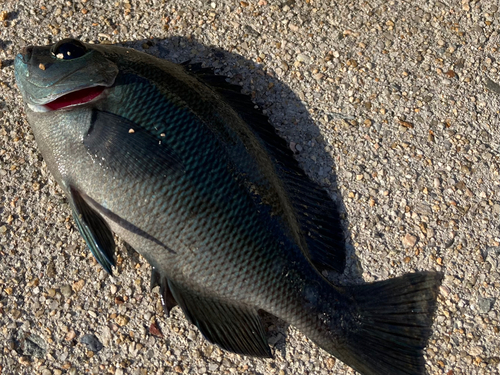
x=68 y=49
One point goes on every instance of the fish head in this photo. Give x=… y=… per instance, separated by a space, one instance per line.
x=63 y=75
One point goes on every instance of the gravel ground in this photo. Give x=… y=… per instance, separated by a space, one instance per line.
x=393 y=106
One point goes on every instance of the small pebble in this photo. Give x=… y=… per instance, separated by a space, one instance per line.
x=24 y=360
x=155 y=330
x=485 y=304
x=70 y=335
x=476 y=351
x=121 y=320
x=330 y=362
x=409 y=240
x=303 y=58
x=78 y=285
x=66 y=291
x=92 y=342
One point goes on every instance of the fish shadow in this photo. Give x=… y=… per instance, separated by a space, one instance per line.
x=293 y=122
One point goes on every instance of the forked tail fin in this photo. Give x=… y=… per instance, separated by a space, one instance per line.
x=393 y=324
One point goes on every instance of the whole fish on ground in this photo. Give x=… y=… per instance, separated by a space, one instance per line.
x=181 y=166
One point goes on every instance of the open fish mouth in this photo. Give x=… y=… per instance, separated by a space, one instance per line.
x=70 y=99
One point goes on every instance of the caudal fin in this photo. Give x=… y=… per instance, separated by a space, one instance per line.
x=393 y=324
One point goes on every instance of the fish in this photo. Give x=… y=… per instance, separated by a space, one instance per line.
x=180 y=165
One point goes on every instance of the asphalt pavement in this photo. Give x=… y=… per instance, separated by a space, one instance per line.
x=392 y=106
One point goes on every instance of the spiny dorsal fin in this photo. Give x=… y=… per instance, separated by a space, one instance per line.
x=318 y=215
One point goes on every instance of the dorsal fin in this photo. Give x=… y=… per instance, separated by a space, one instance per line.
x=317 y=214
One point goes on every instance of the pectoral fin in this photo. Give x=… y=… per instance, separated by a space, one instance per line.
x=130 y=148
x=232 y=326
x=94 y=230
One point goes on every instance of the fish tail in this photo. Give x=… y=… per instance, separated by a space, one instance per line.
x=390 y=325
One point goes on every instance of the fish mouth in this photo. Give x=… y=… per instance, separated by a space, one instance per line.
x=70 y=99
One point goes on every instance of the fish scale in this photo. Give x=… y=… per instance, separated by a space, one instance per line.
x=180 y=165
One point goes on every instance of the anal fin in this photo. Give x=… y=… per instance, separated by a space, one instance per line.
x=232 y=326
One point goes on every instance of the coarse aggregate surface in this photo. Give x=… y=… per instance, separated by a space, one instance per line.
x=392 y=106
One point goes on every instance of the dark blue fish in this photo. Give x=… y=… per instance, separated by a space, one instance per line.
x=179 y=164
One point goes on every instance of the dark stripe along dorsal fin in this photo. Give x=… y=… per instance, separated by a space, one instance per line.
x=231 y=325
x=317 y=214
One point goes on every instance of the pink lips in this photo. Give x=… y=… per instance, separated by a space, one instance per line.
x=76 y=97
